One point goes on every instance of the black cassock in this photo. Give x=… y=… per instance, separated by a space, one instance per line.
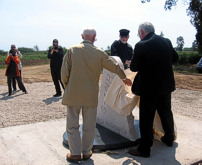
x=124 y=51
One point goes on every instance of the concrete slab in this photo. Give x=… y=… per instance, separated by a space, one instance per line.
x=41 y=143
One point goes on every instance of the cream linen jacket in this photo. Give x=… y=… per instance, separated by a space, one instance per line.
x=80 y=72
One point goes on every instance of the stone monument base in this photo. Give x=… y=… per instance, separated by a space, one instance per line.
x=106 y=139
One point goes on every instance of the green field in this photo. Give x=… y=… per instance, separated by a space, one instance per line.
x=28 y=59
x=28 y=56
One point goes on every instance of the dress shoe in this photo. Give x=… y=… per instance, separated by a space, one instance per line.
x=168 y=143
x=71 y=157
x=135 y=152
x=86 y=157
x=57 y=95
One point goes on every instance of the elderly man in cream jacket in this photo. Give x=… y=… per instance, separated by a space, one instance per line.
x=80 y=72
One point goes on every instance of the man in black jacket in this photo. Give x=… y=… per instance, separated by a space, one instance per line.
x=153 y=58
x=122 y=49
x=55 y=54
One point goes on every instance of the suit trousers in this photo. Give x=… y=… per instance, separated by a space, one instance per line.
x=78 y=144
x=148 y=107
x=55 y=73
x=20 y=84
x=14 y=82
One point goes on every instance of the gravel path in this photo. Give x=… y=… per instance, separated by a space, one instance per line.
x=39 y=105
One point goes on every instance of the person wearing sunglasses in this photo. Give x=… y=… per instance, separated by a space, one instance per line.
x=122 y=49
x=19 y=55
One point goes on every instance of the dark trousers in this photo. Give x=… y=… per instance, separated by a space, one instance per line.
x=148 y=107
x=20 y=84
x=55 y=73
x=14 y=82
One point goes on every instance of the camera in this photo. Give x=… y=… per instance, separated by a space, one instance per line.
x=55 y=47
x=12 y=51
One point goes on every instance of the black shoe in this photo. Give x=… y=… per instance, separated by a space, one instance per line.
x=135 y=152
x=26 y=92
x=57 y=95
x=14 y=89
x=168 y=143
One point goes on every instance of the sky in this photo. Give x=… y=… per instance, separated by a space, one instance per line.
x=27 y=23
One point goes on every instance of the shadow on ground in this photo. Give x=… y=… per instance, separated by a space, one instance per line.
x=51 y=100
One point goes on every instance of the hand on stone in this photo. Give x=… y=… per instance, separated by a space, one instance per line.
x=128 y=62
x=127 y=82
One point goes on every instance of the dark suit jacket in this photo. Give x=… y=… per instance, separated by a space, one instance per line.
x=56 y=58
x=153 y=58
x=124 y=51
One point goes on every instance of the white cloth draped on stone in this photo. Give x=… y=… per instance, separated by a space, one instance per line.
x=121 y=99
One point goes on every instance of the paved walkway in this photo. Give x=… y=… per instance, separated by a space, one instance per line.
x=41 y=143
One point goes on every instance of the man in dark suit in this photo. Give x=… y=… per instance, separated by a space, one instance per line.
x=154 y=82
x=55 y=54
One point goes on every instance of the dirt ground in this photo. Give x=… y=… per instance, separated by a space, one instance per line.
x=41 y=73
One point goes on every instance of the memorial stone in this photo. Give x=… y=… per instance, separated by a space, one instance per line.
x=110 y=119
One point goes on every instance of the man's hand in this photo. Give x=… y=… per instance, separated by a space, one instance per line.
x=127 y=82
x=56 y=50
x=128 y=62
x=52 y=50
x=16 y=50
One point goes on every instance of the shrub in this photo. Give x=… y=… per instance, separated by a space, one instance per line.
x=189 y=57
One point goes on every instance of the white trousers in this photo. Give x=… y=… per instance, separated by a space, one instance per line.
x=78 y=145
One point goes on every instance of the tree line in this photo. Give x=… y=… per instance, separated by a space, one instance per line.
x=28 y=51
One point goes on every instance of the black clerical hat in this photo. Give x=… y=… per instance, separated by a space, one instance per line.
x=124 y=32
x=55 y=40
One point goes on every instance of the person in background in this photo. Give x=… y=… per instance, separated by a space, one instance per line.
x=154 y=82
x=122 y=49
x=55 y=54
x=80 y=74
x=19 y=55
x=12 y=70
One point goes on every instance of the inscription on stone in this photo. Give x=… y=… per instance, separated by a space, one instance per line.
x=107 y=117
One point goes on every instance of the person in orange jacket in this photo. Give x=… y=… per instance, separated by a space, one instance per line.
x=12 y=70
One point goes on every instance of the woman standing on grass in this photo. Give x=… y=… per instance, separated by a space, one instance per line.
x=12 y=70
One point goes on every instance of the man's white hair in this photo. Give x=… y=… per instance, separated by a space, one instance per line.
x=89 y=31
x=147 y=27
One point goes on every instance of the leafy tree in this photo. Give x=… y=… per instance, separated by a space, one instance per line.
x=180 y=43
x=2 y=52
x=168 y=3
x=195 y=12
x=162 y=35
x=36 y=48
x=65 y=50
x=194 y=45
